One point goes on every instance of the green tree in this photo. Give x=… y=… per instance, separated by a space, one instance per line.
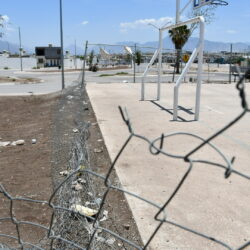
x=91 y=58
x=138 y=57
x=179 y=37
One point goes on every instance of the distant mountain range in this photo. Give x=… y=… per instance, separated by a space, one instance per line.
x=210 y=46
x=13 y=48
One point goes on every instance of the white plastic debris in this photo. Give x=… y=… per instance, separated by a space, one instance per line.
x=64 y=173
x=81 y=181
x=84 y=210
x=110 y=241
x=4 y=143
x=98 y=201
x=33 y=141
x=90 y=194
x=75 y=130
x=96 y=150
x=105 y=215
x=70 y=97
x=100 y=140
x=125 y=81
x=77 y=187
x=18 y=142
x=100 y=239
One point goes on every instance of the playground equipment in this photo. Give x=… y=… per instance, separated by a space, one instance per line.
x=198 y=51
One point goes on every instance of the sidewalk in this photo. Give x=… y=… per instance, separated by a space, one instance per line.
x=207 y=202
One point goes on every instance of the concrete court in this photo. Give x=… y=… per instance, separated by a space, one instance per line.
x=207 y=202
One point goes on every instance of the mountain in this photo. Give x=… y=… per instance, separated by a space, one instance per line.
x=13 y=48
x=210 y=46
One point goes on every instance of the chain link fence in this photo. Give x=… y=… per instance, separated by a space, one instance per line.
x=78 y=215
x=125 y=63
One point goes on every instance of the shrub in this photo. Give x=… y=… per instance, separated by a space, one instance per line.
x=6 y=68
x=95 y=68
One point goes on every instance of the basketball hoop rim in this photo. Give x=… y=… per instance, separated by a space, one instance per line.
x=219 y=2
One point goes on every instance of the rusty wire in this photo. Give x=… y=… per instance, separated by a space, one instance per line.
x=54 y=234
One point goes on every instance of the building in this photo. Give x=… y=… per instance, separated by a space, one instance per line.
x=48 y=56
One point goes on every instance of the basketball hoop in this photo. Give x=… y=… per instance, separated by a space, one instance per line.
x=219 y=2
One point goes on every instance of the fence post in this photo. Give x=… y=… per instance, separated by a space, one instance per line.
x=84 y=63
x=230 y=63
x=134 y=62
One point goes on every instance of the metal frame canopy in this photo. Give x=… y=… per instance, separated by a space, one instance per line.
x=198 y=51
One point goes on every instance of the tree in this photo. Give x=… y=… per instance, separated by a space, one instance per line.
x=91 y=58
x=179 y=37
x=138 y=57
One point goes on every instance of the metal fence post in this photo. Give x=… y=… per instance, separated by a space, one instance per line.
x=134 y=62
x=230 y=63
x=84 y=64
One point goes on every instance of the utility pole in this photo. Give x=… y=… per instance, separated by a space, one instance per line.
x=62 y=53
x=20 y=49
x=230 y=63
x=75 y=56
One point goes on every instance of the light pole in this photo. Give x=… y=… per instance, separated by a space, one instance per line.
x=62 y=53
x=75 y=56
x=20 y=49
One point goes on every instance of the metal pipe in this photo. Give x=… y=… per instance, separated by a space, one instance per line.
x=145 y=74
x=200 y=67
x=62 y=52
x=84 y=63
x=230 y=63
x=193 y=20
x=199 y=49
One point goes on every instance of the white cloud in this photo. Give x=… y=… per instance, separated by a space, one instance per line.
x=142 y=23
x=85 y=22
x=231 y=31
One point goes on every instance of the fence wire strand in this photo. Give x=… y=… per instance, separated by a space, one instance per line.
x=88 y=228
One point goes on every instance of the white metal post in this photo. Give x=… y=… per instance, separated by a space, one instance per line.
x=159 y=65
x=200 y=66
x=145 y=74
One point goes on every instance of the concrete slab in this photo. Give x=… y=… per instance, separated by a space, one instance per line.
x=207 y=202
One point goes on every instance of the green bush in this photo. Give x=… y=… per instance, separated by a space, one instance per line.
x=122 y=73
x=6 y=68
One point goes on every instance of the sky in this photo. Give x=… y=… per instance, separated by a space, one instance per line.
x=111 y=21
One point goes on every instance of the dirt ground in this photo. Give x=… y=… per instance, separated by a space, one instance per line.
x=25 y=170
x=19 y=80
x=32 y=170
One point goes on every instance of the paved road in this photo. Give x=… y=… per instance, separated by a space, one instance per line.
x=51 y=82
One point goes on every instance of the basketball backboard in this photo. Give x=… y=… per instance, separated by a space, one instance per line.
x=200 y=3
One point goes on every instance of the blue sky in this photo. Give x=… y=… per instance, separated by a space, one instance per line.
x=110 y=21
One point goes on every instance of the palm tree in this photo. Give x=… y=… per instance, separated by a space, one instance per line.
x=179 y=37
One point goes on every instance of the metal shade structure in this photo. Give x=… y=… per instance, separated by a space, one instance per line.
x=104 y=54
x=128 y=50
